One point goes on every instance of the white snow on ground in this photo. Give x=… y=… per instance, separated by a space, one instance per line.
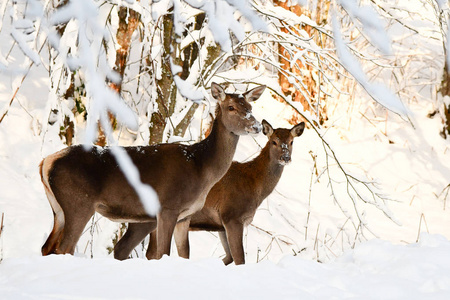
x=374 y=270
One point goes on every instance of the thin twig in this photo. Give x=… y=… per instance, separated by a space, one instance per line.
x=422 y=216
x=20 y=85
x=446 y=190
x=1 y=224
x=1 y=240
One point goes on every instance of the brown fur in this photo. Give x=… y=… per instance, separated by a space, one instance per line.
x=232 y=202
x=83 y=182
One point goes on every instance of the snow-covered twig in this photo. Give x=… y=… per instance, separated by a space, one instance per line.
x=5 y=110
x=352 y=182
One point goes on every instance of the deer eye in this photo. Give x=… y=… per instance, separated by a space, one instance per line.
x=274 y=143
x=230 y=108
x=291 y=143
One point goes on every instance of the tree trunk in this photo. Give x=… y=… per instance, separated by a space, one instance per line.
x=67 y=129
x=445 y=91
x=128 y=22
x=165 y=85
x=180 y=130
x=167 y=90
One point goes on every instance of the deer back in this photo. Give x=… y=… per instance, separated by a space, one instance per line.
x=178 y=173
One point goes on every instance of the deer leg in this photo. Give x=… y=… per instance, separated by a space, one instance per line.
x=152 y=246
x=228 y=258
x=73 y=229
x=135 y=233
x=235 y=232
x=167 y=219
x=54 y=238
x=181 y=235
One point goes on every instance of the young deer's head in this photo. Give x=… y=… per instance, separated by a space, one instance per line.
x=281 y=140
x=236 y=111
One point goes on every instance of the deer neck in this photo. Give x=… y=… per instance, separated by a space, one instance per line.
x=270 y=171
x=218 y=150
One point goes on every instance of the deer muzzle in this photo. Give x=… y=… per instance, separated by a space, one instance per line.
x=285 y=156
x=255 y=127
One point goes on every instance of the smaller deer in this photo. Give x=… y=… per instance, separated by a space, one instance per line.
x=232 y=202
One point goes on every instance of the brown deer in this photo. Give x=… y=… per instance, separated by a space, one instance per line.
x=79 y=182
x=232 y=202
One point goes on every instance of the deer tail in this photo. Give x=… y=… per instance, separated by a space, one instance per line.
x=54 y=238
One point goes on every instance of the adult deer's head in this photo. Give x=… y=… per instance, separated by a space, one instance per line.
x=236 y=111
x=281 y=141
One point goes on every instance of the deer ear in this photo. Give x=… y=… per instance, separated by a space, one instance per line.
x=254 y=94
x=298 y=129
x=267 y=128
x=217 y=92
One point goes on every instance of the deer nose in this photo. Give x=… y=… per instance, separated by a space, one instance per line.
x=257 y=127
x=286 y=158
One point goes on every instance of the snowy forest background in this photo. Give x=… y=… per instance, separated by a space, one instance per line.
x=370 y=78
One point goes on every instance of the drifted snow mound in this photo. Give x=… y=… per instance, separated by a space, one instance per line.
x=374 y=270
